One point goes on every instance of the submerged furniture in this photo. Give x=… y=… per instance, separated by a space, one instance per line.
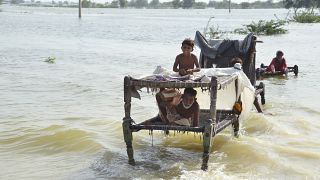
x=212 y=119
x=262 y=73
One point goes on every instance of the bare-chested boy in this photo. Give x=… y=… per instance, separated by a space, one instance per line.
x=189 y=107
x=186 y=61
x=177 y=109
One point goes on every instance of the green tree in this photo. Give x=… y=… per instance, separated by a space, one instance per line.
x=123 y=3
x=186 y=4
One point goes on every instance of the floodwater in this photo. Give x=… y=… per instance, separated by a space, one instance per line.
x=63 y=120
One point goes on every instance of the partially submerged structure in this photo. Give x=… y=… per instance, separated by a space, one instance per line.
x=230 y=95
x=263 y=73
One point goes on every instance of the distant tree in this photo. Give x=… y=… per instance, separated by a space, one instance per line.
x=297 y=4
x=16 y=1
x=221 y=5
x=186 y=4
x=114 y=4
x=211 y=4
x=245 y=5
x=0 y=1
x=141 y=3
x=85 y=3
x=154 y=3
x=166 y=5
x=200 y=5
x=131 y=3
x=176 y=4
x=123 y=3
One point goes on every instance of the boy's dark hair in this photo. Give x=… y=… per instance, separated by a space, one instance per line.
x=279 y=53
x=236 y=60
x=190 y=92
x=188 y=42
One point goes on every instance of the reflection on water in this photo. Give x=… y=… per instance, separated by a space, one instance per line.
x=63 y=120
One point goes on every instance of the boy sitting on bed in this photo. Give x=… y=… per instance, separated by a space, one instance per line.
x=185 y=62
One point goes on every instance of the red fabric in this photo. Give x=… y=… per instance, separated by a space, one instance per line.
x=278 y=66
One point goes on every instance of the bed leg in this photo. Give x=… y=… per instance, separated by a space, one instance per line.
x=207 y=139
x=127 y=134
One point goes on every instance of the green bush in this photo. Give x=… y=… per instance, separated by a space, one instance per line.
x=263 y=28
x=306 y=17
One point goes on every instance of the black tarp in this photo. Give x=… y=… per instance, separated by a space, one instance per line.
x=219 y=53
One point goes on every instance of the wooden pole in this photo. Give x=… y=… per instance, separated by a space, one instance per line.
x=207 y=139
x=209 y=128
x=229 y=6
x=80 y=6
x=127 y=121
x=213 y=99
x=235 y=124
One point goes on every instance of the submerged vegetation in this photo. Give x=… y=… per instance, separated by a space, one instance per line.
x=306 y=17
x=304 y=10
x=50 y=60
x=261 y=27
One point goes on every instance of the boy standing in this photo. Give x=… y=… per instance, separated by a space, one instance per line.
x=185 y=62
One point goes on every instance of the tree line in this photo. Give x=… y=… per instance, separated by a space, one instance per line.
x=310 y=5
x=185 y=4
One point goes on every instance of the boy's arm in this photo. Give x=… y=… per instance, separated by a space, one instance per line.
x=175 y=65
x=285 y=66
x=196 y=63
